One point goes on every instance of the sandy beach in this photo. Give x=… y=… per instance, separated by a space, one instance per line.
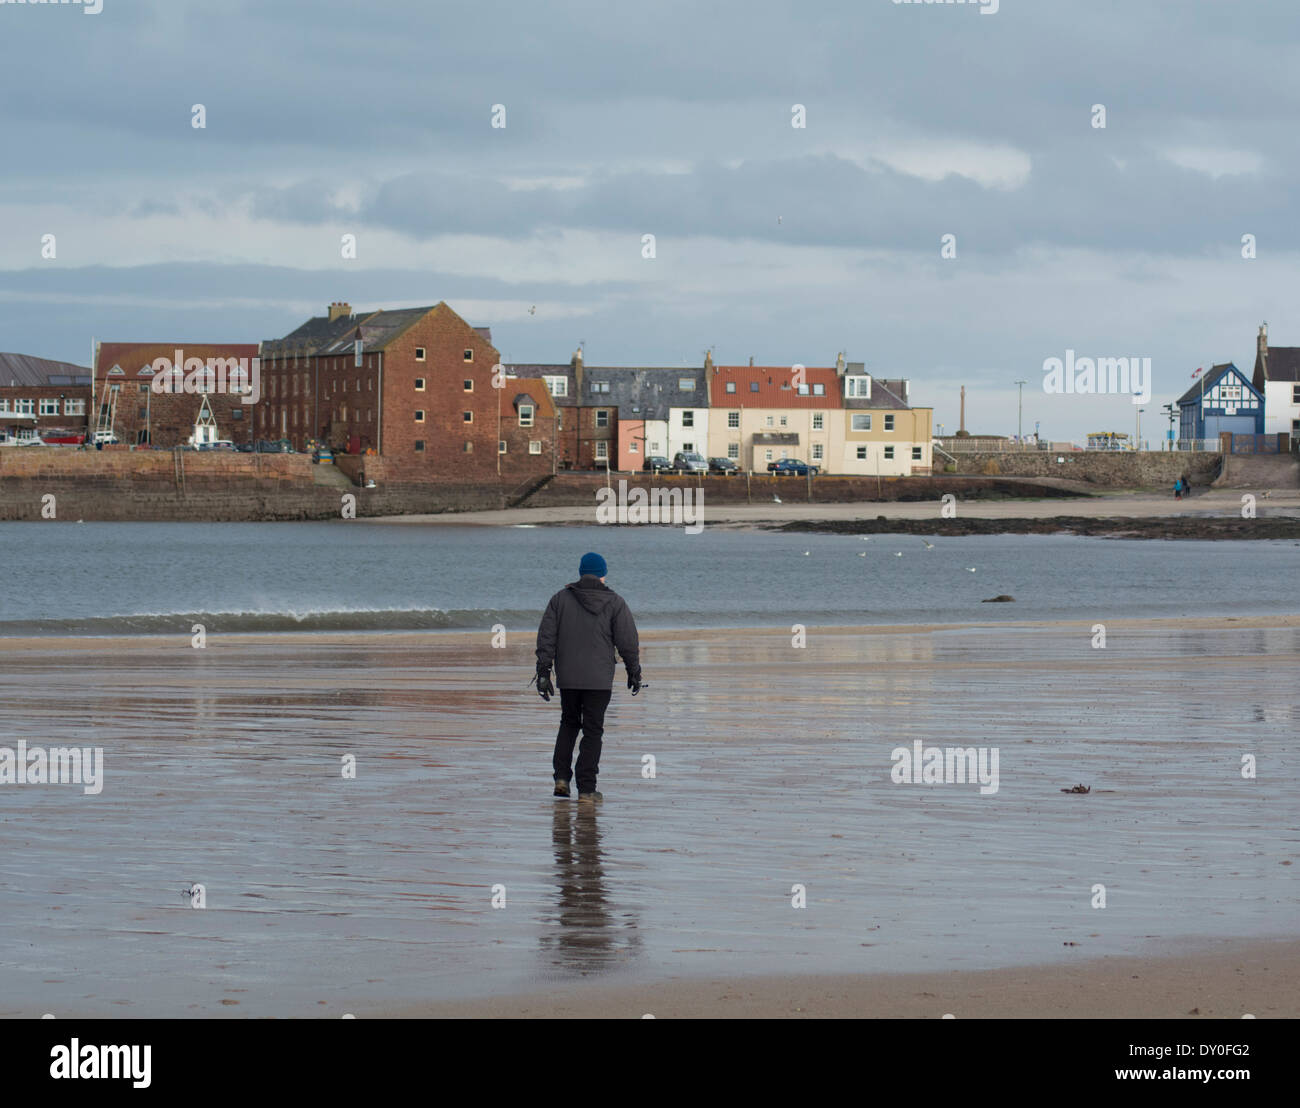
x=771 y=785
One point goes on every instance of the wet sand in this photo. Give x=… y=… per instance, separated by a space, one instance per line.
x=771 y=770
x=1104 y=505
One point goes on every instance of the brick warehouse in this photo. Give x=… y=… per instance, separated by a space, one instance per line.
x=41 y=397
x=413 y=385
x=122 y=383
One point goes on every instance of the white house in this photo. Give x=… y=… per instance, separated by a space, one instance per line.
x=1277 y=377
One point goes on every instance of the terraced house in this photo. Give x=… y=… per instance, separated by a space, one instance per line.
x=619 y=415
x=417 y=386
x=840 y=418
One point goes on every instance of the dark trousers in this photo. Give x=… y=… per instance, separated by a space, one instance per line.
x=581 y=710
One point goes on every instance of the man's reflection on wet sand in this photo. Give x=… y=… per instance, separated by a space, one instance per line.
x=585 y=933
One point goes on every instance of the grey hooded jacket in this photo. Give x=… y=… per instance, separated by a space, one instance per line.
x=583 y=624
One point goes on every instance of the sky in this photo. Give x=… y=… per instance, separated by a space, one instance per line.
x=787 y=244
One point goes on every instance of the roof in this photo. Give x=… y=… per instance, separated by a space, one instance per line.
x=535 y=392
x=132 y=357
x=646 y=392
x=885 y=394
x=774 y=387
x=1281 y=364
x=24 y=369
x=538 y=370
x=1207 y=380
x=376 y=329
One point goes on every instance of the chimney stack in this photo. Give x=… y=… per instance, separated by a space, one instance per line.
x=751 y=361
x=708 y=360
x=339 y=309
x=1261 y=343
x=839 y=363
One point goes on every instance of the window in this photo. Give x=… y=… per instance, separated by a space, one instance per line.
x=142 y=413
x=861 y=421
x=419 y=446
x=358 y=384
x=600 y=386
x=785 y=421
x=862 y=453
x=889 y=453
x=688 y=419
x=819 y=421
x=819 y=390
x=74 y=407
x=51 y=407
x=803 y=390
x=685 y=384
x=633 y=448
x=143 y=389
x=469 y=385
x=534 y=446
x=419 y=384
x=419 y=353
x=602 y=417
x=688 y=448
x=356 y=354
x=469 y=354
x=857 y=388
x=770 y=421
x=817 y=452
x=916 y=453
x=767 y=455
x=501 y=446
x=469 y=447
x=785 y=386
x=1295 y=394
x=733 y=450
x=4 y=404
x=557 y=386
x=889 y=422
x=27 y=407
x=602 y=451
x=236 y=413
x=419 y=415
x=467 y=417
x=733 y=421
x=525 y=415
x=753 y=386
x=731 y=386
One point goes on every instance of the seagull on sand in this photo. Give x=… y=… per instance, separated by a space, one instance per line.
x=898 y=554
x=970 y=569
x=807 y=553
x=862 y=553
x=776 y=498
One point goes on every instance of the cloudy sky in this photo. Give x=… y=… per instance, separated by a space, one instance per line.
x=327 y=118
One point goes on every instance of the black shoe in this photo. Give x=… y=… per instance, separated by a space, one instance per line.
x=593 y=797
x=561 y=787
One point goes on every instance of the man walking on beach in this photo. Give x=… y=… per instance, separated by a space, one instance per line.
x=583 y=624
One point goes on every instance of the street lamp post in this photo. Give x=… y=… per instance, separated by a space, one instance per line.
x=1020 y=412
x=1137 y=438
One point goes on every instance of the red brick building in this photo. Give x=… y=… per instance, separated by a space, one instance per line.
x=124 y=396
x=418 y=386
x=39 y=397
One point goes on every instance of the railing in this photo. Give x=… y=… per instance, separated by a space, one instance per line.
x=1210 y=446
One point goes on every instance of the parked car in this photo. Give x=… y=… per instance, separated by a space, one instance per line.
x=244 y=448
x=690 y=462
x=725 y=466
x=788 y=467
x=656 y=462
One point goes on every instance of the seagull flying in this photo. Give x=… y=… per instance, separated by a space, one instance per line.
x=928 y=545
x=970 y=569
